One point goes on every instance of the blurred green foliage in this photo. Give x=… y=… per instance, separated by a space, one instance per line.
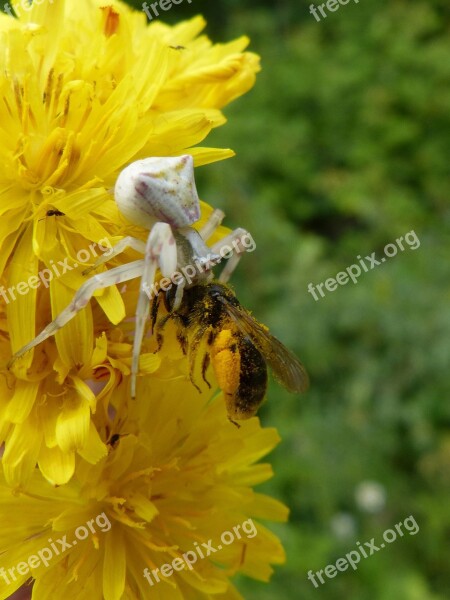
x=343 y=146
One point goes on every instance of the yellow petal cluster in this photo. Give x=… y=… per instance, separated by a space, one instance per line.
x=85 y=89
x=177 y=475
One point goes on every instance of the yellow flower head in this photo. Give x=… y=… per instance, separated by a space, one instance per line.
x=85 y=89
x=168 y=513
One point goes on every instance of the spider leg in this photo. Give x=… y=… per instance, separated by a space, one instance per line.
x=81 y=298
x=160 y=250
x=179 y=295
x=215 y=219
x=234 y=239
x=229 y=268
x=127 y=242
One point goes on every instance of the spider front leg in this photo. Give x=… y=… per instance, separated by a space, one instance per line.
x=160 y=251
x=126 y=242
x=81 y=298
x=236 y=242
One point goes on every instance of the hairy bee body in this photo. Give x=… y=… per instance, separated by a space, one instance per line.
x=238 y=347
x=240 y=370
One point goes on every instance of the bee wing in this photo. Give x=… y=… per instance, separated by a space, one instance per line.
x=286 y=367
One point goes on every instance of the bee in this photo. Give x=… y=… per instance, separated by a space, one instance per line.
x=238 y=347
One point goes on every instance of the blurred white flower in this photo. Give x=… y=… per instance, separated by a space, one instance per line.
x=343 y=526
x=370 y=496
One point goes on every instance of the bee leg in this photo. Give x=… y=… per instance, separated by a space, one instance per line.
x=158 y=330
x=159 y=342
x=154 y=311
x=182 y=340
x=243 y=553
x=193 y=351
x=205 y=365
x=181 y=336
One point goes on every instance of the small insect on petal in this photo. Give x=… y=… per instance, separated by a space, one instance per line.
x=159 y=189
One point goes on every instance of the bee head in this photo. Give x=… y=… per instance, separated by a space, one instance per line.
x=218 y=291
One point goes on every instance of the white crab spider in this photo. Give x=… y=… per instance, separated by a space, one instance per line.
x=160 y=195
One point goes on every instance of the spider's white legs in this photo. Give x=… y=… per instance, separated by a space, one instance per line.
x=127 y=242
x=215 y=219
x=228 y=269
x=81 y=298
x=233 y=241
x=179 y=295
x=160 y=250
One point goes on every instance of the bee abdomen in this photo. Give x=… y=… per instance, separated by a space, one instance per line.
x=226 y=362
x=252 y=381
x=241 y=373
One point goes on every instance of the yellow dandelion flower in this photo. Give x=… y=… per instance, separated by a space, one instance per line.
x=169 y=513
x=46 y=421
x=84 y=90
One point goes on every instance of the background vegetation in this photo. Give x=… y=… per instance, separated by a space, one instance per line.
x=343 y=146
